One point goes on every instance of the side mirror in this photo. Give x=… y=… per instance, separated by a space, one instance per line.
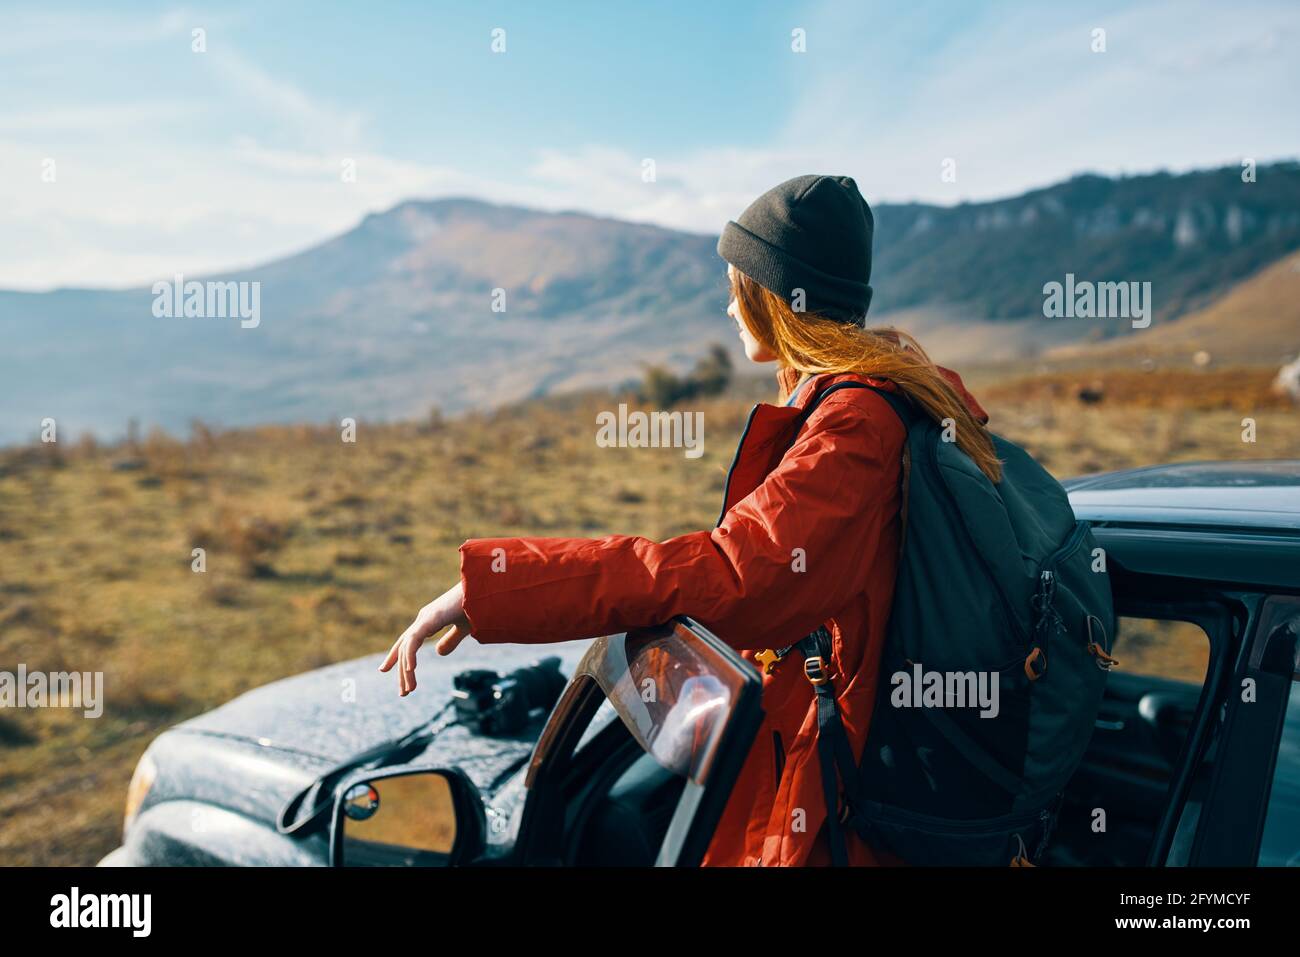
x=407 y=818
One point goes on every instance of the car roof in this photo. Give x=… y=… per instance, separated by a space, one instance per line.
x=1246 y=495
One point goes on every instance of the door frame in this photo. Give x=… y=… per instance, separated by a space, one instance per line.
x=542 y=825
x=1232 y=821
x=1164 y=599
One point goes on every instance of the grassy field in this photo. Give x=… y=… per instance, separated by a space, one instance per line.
x=319 y=550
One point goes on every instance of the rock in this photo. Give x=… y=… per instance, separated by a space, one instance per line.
x=1287 y=382
x=1092 y=393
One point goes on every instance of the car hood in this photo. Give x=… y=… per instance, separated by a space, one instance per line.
x=255 y=752
x=340 y=710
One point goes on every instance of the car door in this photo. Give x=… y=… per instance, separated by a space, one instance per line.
x=1172 y=645
x=1251 y=811
x=680 y=698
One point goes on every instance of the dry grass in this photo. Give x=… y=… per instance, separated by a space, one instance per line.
x=319 y=551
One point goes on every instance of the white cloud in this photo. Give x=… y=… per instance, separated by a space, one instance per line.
x=250 y=169
x=1022 y=101
x=80 y=120
x=316 y=121
x=44 y=33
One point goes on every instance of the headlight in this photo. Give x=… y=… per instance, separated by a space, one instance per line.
x=141 y=781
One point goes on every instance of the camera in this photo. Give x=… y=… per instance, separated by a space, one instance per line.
x=502 y=706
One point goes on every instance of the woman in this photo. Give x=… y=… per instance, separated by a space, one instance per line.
x=810 y=532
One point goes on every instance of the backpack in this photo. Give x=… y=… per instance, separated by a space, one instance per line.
x=1004 y=597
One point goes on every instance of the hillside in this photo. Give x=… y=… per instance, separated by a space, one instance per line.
x=396 y=315
x=1256 y=322
x=320 y=551
x=1190 y=235
x=384 y=321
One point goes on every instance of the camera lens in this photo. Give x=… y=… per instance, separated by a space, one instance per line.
x=540 y=684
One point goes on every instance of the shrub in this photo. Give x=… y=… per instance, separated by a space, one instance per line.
x=252 y=539
x=711 y=376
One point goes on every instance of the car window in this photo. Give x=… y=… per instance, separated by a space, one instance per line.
x=672 y=692
x=1280 y=844
x=1151 y=702
x=690 y=705
x=1174 y=650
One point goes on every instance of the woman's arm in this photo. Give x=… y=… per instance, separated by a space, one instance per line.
x=785 y=557
x=446 y=609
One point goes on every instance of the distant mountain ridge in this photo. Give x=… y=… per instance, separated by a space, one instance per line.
x=397 y=314
x=1257 y=322
x=1190 y=235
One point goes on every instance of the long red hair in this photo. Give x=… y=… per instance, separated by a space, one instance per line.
x=808 y=344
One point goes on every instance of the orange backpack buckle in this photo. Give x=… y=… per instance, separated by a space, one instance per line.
x=1035 y=664
x=1104 y=661
x=816 y=671
x=1022 y=856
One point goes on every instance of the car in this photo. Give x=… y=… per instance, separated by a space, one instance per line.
x=1194 y=760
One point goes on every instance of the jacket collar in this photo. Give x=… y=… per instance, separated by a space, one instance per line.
x=771 y=429
x=810 y=388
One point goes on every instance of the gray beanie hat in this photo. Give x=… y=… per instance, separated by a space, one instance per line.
x=811 y=233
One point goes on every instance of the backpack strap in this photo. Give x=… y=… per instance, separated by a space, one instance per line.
x=835 y=755
x=902 y=406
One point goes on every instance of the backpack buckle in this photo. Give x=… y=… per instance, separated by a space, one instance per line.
x=767 y=659
x=1103 y=659
x=1035 y=664
x=1022 y=856
x=815 y=670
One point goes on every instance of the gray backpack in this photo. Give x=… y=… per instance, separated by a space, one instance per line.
x=998 y=647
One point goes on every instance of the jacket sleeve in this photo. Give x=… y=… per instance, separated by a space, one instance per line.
x=785 y=558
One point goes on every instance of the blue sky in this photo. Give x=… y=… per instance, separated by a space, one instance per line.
x=168 y=160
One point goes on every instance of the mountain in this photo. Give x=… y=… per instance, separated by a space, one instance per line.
x=396 y=315
x=1257 y=322
x=385 y=321
x=1190 y=236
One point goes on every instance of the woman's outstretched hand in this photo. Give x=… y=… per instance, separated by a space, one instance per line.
x=446 y=609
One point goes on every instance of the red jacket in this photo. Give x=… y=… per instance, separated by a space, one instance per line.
x=834 y=493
